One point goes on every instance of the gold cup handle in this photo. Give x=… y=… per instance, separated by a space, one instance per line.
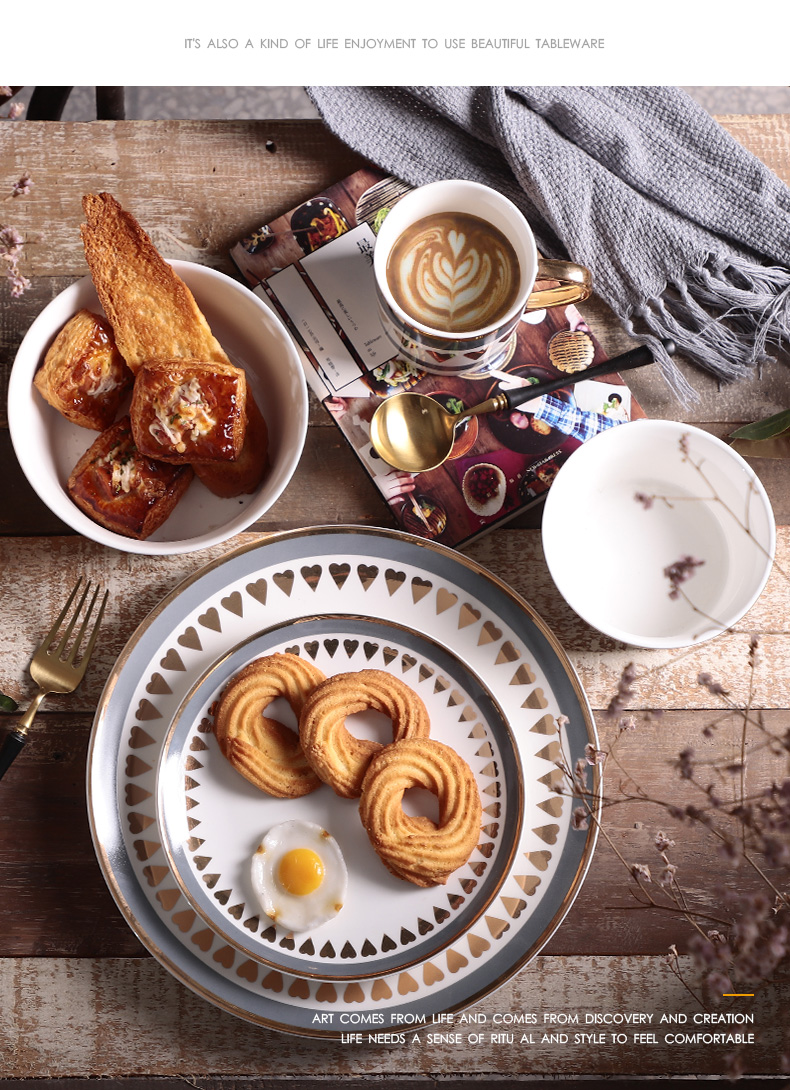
x=571 y=284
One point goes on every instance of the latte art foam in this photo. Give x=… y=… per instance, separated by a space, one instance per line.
x=454 y=272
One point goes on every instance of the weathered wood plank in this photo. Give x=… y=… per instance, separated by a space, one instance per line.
x=196 y=186
x=335 y=1082
x=328 y=468
x=34 y=573
x=222 y=181
x=52 y=888
x=124 y=1017
x=200 y=185
x=78 y=1015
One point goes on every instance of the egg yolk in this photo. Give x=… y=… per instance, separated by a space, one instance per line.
x=301 y=871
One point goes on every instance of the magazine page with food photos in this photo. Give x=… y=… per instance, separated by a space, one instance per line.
x=314 y=266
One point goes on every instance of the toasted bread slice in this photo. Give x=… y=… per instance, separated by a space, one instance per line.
x=151 y=310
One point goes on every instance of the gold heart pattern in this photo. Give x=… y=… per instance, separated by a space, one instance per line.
x=233 y=603
x=210 y=619
x=190 y=639
x=285 y=581
x=456 y=702
x=186 y=919
x=340 y=572
x=258 y=590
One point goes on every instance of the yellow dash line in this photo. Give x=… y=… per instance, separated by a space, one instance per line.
x=735 y=994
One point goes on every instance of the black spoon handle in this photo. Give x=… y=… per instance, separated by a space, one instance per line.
x=637 y=357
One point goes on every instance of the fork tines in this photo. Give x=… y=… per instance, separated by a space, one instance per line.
x=52 y=635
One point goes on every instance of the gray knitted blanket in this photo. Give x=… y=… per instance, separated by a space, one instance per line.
x=686 y=233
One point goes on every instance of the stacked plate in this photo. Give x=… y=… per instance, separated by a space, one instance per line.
x=175 y=826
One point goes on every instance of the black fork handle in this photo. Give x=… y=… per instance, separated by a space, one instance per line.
x=13 y=744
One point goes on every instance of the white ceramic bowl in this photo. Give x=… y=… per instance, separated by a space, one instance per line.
x=48 y=446
x=607 y=551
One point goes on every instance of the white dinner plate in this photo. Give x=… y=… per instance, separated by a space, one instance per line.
x=451 y=622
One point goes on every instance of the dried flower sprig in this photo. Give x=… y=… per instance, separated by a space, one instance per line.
x=744 y=941
x=647 y=500
x=679 y=572
x=11 y=247
x=22 y=187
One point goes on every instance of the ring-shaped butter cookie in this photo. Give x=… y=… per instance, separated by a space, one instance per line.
x=418 y=849
x=336 y=755
x=263 y=750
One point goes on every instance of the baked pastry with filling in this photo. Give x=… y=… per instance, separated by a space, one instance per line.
x=151 y=310
x=84 y=376
x=189 y=411
x=122 y=489
x=246 y=473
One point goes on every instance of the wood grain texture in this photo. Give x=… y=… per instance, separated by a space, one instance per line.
x=221 y=180
x=45 y=786
x=196 y=186
x=52 y=887
x=121 y=1017
x=329 y=464
x=36 y=572
x=78 y=994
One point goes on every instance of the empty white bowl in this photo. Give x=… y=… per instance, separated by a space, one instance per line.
x=635 y=500
x=48 y=446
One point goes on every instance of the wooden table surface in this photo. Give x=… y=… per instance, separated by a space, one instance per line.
x=79 y=996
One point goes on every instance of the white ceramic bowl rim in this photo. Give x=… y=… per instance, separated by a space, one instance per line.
x=571 y=480
x=205 y=283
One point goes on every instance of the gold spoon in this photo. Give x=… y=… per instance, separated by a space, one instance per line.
x=415 y=433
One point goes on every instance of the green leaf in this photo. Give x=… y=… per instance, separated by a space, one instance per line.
x=7 y=703
x=764 y=429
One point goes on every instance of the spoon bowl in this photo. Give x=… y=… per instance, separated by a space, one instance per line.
x=403 y=416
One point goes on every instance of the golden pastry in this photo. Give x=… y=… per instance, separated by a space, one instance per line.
x=267 y=753
x=84 y=375
x=123 y=490
x=336 y=755
x=187 y=411
x=417 y=849
x=246 y=473
x=152 y=312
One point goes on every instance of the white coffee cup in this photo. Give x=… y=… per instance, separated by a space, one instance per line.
x=471 y=351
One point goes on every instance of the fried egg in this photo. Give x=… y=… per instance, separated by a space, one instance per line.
x=299 y=875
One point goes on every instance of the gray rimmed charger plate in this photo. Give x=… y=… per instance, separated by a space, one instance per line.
x=396 y=580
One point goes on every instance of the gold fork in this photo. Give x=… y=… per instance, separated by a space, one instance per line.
x=53 y=668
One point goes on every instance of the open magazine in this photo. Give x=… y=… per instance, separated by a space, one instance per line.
x=314 y=266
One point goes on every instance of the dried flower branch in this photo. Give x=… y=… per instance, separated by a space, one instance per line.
x=22 y=187
x=11 y=246
x=679 y=572
x=745 y=942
